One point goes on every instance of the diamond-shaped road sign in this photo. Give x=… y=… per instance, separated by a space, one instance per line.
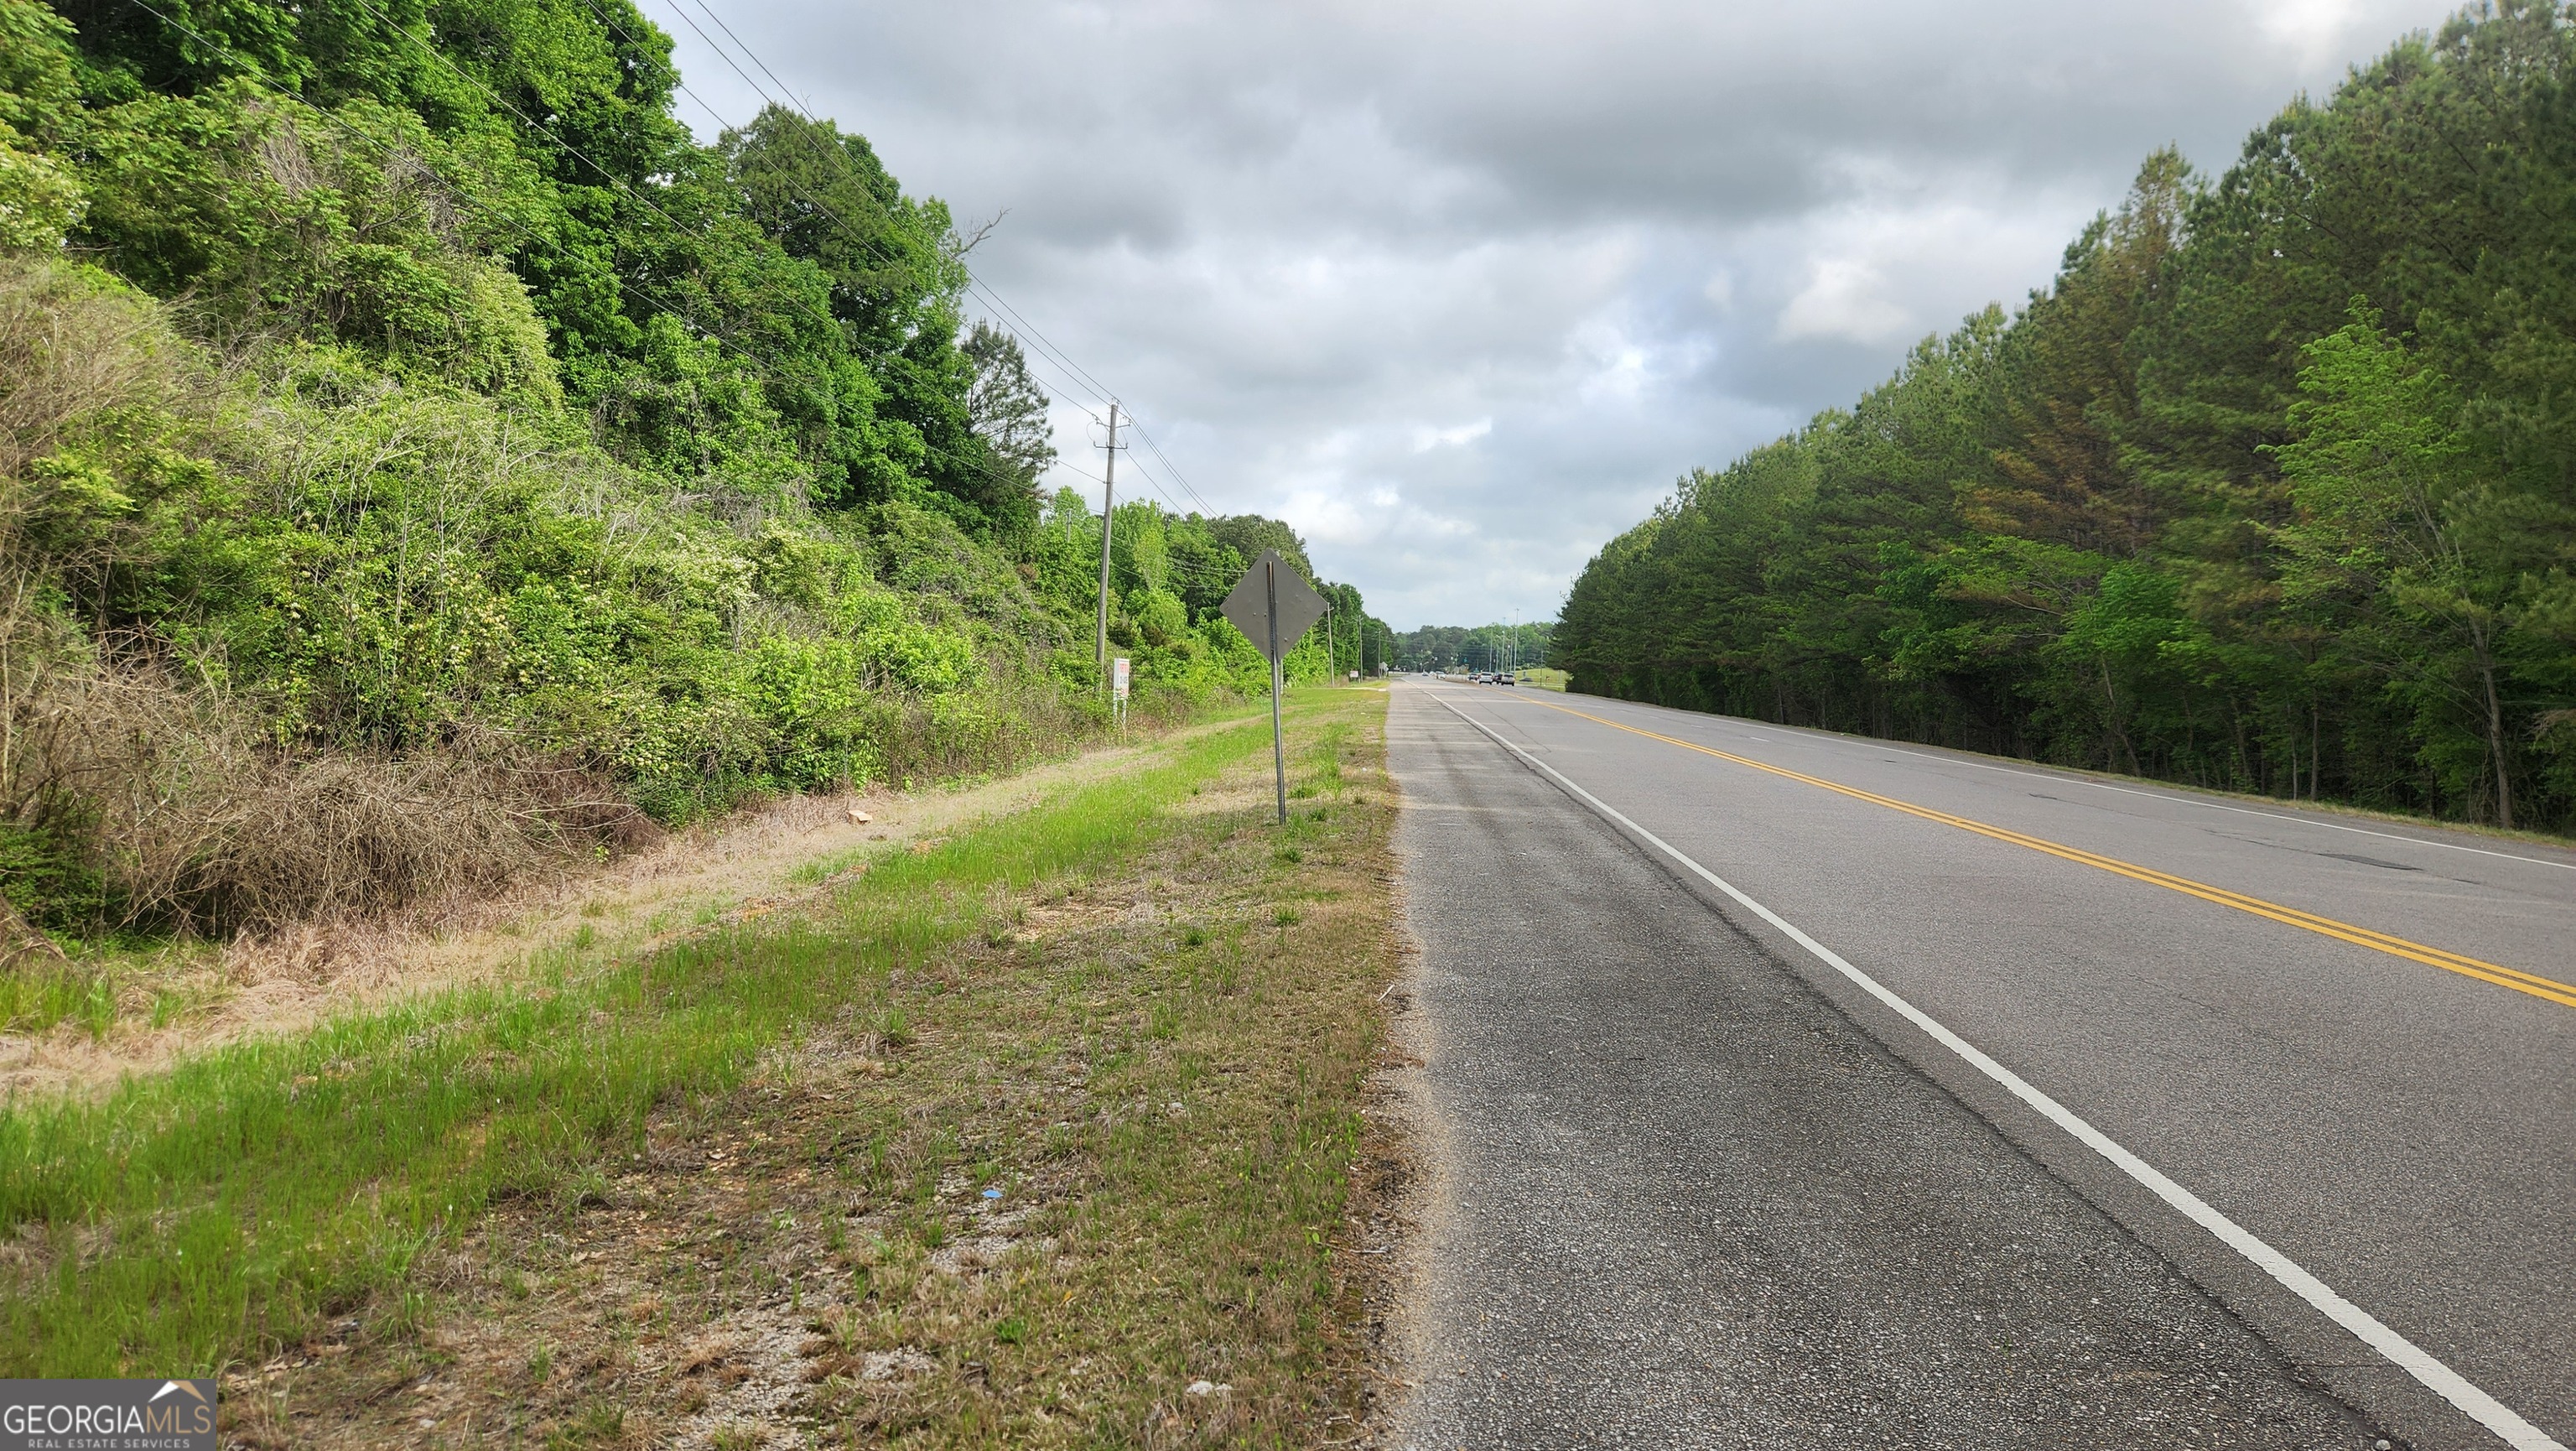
x=1272 y=591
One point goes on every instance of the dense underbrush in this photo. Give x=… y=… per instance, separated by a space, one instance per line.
x=285 y=635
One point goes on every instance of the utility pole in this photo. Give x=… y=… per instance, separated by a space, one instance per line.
x=1108 y=513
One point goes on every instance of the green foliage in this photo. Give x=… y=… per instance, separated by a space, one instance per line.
x=40 y=202
x=1459 y=647
x=360 y=226
x=433 y=390
x=374 y=562
x=2270 y=490
x=48 y=881
x=1170 y=576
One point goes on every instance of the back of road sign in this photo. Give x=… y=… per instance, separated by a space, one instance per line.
x=1273 y=584
x=1272 y=605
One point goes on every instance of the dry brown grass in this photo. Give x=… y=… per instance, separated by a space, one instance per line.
x=209 y=829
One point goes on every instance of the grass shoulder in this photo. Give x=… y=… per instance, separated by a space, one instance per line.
x=1043 y=1132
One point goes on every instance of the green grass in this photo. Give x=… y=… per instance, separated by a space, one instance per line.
x=109 y=981
x=40 y=996
x=194 y=1218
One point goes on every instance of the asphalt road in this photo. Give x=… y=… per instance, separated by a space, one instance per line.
x=1703 y=1189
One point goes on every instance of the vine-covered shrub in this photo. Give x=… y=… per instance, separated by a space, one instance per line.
x=353 y=565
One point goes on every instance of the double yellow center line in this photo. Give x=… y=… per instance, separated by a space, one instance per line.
x=2554 y=991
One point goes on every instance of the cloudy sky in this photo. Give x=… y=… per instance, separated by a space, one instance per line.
x=1458 y=289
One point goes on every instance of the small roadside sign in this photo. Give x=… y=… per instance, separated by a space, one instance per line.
x=1273 y=605
x=1272 y=594
x=1118 y=675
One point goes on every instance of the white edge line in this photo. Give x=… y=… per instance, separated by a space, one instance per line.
x=2176 y=797
x=2405 y=1354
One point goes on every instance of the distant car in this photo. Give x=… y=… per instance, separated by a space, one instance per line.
x=1507 y=678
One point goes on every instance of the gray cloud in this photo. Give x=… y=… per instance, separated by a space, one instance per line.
x=1459 y=289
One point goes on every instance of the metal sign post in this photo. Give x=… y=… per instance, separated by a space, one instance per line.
x=1273 y=605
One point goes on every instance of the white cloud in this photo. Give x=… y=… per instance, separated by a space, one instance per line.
x=1845 y=297
x=2316 y=31
x=1427 y=438
x=1459 y=288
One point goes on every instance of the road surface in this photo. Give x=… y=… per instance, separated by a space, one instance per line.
x=2253 y=1077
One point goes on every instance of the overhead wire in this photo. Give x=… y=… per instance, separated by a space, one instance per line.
x=874 y=242
x=825 y=318
x=1174 y=468
x=721 y=54
x=1044 y=351
x=1048 y=352
x=747 y=50
x=765 y=365
x=871 y=241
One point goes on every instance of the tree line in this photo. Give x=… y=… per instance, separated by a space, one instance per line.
x=1171 y=573
x=2272 y=489
x=1473 y=648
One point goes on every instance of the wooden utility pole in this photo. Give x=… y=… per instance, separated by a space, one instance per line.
x=1108 y=513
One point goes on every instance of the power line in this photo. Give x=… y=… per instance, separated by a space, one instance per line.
x=1168 y=464
x=767 y=367
x=1044 y=350
x=975 y=284
x=747 y=50
x=1025 y=331
x=721 y=54
x=876 y=243
x=1028 y=332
